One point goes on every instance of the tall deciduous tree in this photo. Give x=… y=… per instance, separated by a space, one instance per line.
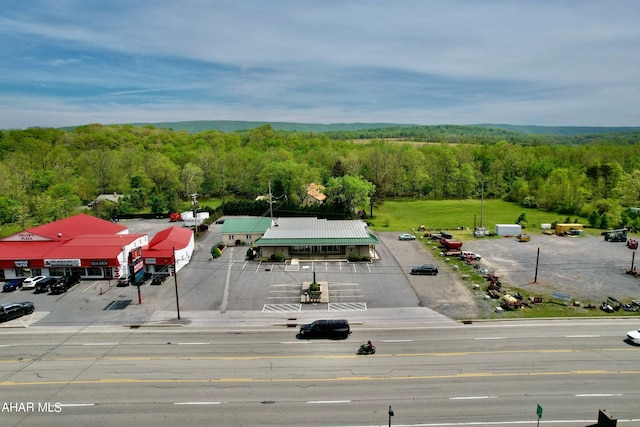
x=349 y=192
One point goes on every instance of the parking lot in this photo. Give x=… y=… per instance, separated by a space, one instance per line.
x=585 y=268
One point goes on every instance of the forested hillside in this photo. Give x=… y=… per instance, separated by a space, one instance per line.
x=49 y=173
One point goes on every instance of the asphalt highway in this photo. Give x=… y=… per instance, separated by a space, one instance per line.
x=485 y=374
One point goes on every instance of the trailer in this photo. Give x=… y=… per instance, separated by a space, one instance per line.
x=451 y=244
x=508 y=229
x=569 y=229
x=619 y=235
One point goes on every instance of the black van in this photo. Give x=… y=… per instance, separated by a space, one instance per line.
x=333 y=329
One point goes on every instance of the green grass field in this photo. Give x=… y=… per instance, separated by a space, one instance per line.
x=405 y=215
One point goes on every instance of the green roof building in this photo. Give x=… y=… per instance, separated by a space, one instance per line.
x=306 y=238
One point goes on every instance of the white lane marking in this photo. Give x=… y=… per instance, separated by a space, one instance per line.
x=100 y=343
x=193 y=343
x=491 y=338
x=599 y=395
x=328 y=401
x=70 y=405
x=472 y=397
x=395 y=340
x=582 y=336
x=197 y=403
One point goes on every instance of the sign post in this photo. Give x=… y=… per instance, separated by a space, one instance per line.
x=539 y=412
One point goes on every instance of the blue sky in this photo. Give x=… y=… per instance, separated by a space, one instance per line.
x=553 y=63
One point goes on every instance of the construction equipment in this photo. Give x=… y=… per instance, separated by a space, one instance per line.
x=619 y=235
x=524 y=238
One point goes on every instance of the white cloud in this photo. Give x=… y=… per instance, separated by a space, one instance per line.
x=547 y=62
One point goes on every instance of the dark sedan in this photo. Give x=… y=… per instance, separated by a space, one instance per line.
x=427 y=269
x=13 y=310
x=13 y=284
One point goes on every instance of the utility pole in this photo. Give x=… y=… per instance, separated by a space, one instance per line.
x=175 y=280
x=270 y=202
x=481 y=202
x=194 y=203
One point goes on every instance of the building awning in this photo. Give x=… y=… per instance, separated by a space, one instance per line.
x=345 y=241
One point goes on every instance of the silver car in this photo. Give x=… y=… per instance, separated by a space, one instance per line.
x=30 y=282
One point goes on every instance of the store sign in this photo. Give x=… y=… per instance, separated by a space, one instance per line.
x=138 y=266
x=25 y=236
x=151 y=261
x=99 y=263
x=135 y=255
x=21 y=264
x=61 y=263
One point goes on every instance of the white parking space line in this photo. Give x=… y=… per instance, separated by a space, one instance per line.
x=328 y=401
x=281 y=308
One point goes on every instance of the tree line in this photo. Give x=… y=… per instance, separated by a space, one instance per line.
x=47 y=174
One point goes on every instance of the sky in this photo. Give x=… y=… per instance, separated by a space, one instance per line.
x=544 y=62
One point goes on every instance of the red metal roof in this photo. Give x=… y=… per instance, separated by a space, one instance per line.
x=75 y=226
x=172 y=237
x=165 y=241
x=93 y=246
x=26 y=250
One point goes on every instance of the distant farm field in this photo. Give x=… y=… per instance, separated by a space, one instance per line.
x=405 y=215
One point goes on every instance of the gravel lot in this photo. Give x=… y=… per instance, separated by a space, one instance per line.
x=586 y=268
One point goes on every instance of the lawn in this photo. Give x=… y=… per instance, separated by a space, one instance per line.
x=407 y=215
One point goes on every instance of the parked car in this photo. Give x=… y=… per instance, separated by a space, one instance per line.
x=124 y=281
x=634 y=337
x=13 y=310
x=406 y=236
x=332 y=329
x=44 y=285
x=64 y=283
x=472 y=255
x=158 y=279
x=13 y=284
x=31 y=281
x=428 y=269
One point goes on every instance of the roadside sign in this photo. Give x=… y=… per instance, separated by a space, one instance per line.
x=539 y=411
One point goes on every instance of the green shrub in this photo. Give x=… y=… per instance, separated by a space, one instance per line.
x=215 y=252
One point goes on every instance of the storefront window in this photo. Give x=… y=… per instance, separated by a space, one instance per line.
x=56 y=272
x=94 y=271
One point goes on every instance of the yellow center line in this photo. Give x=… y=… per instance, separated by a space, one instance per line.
x=326 y=356
x=308 y=380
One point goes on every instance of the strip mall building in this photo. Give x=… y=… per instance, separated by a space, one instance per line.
x=94 y=249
